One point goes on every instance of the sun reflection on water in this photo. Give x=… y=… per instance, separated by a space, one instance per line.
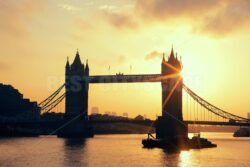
x=185 y=158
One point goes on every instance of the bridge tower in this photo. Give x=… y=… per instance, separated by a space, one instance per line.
x=170 y=125
x=76 y=101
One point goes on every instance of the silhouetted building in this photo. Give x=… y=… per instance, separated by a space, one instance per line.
x=95 y=110
x=105 y=117
x=14 y=107
x=139 y=118
x=113 y=114
x=125 y=114
x=248 y=116
x=170 y=125
x=108 y=113
x=52 y=116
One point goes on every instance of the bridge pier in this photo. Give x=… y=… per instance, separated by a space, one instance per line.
x=172 y=131
x=76 y=127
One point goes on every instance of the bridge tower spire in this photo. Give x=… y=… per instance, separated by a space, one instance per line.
x=67 y=63
x=67 y=69
x=87 y=68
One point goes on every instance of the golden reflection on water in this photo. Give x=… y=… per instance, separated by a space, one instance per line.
x=119 y=151
x=185 y=158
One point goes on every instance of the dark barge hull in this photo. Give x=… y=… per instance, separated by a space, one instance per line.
x=190 y=144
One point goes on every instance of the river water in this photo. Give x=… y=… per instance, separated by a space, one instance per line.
x=119 y=150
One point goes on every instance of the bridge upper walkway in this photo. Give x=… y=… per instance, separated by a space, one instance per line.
x=121 y=78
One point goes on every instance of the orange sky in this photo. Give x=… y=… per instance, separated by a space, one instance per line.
x=211 y=36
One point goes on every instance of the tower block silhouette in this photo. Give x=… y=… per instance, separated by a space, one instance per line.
x=76 y=101
x=170 y=126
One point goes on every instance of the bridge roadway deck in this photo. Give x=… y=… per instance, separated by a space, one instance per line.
x=217 y=123
x=141 y=122
x=149 y=122
x=120 y=78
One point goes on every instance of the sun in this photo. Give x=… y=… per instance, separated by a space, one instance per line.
x=181 y=74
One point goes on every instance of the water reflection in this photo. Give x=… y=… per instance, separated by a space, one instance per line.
x=118 y=151
x=170 y=157
x=75 y=152
x=176 y=158
x=75 y=143
x=185 y=158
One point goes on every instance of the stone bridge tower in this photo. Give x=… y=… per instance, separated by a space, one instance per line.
x=76 y=88
x=170 y=125
x=76 y=101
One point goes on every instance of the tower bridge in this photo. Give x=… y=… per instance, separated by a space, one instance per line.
x=170 y=125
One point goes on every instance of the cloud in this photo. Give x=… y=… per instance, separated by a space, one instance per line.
x=232 y=17
x=170 y=9
x=120 y=20
x=69 y=7
x=216 y=17
x=119 y=17
x=153 y=55
x=83 y=24
x=15 y=14
x=108 y=8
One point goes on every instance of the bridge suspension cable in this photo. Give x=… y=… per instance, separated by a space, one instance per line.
x=213 y=109
x=53 y=104
x=45 y=102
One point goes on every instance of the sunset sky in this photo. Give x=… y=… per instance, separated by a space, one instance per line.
x=211 y=36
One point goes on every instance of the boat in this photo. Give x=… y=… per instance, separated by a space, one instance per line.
x=152 y=142
x=196 y=142
x=242 y=132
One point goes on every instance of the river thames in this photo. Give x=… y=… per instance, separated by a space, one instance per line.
x=119 y=150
